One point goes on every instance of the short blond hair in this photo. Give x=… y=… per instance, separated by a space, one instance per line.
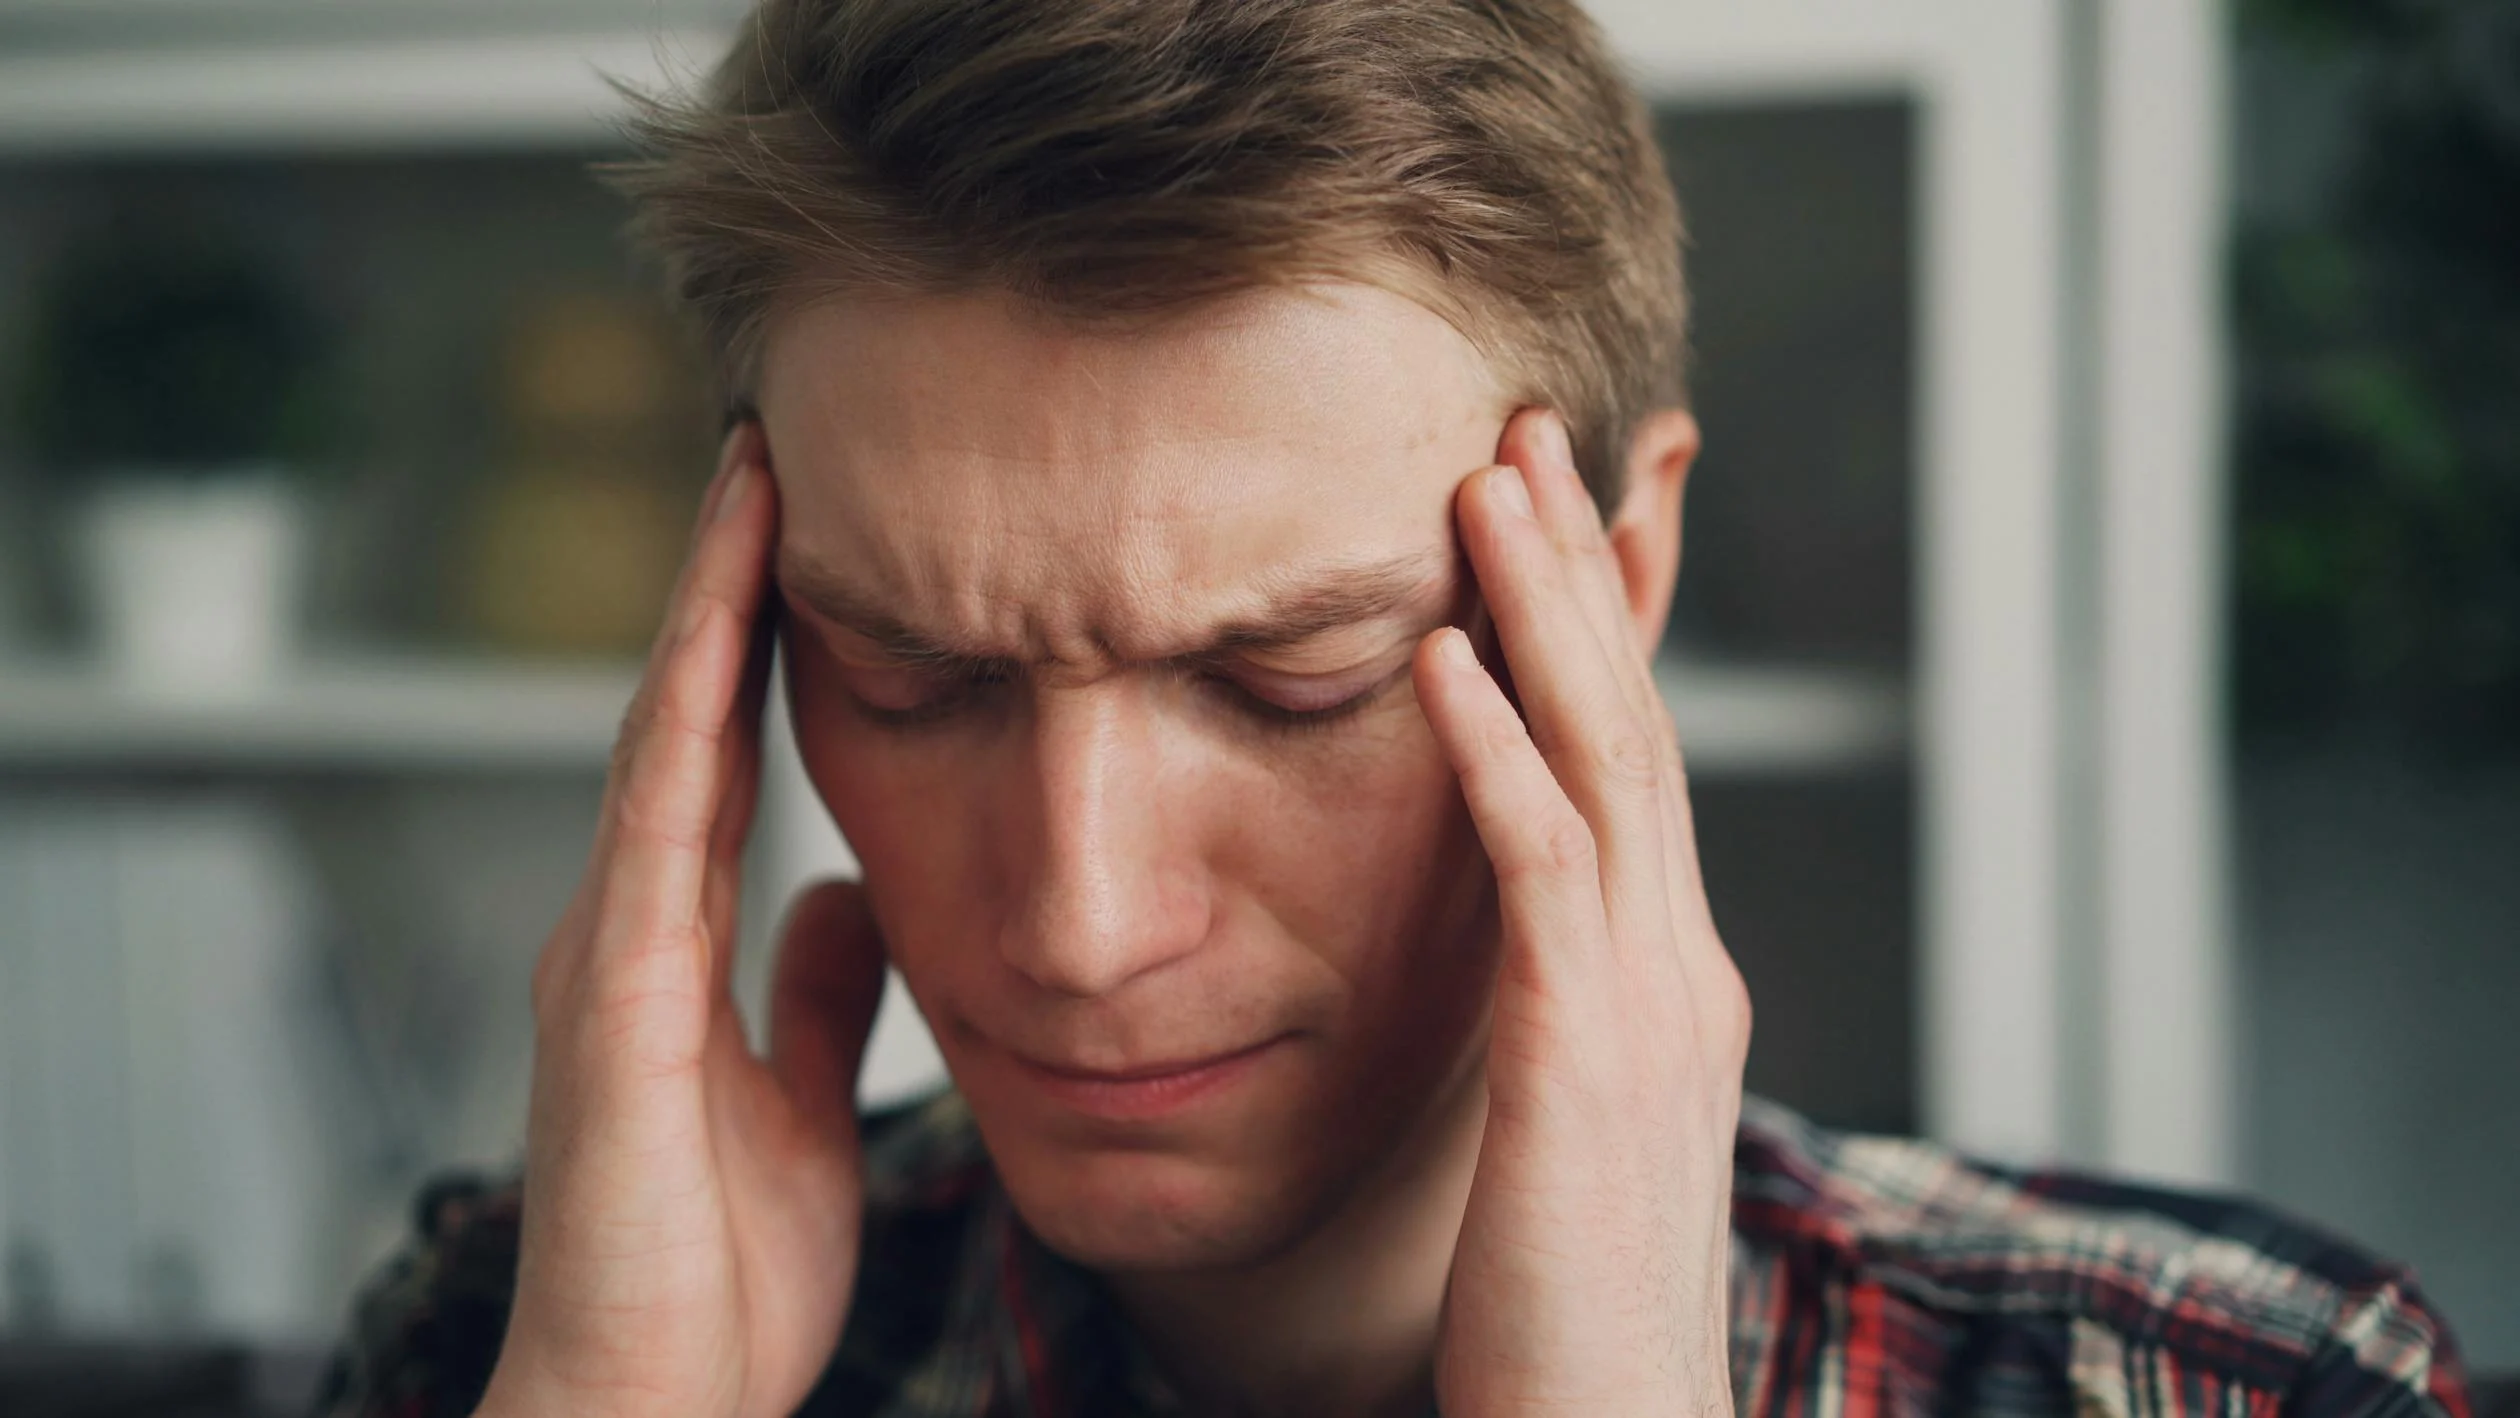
x=1108 y=159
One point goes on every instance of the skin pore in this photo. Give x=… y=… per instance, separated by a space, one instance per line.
x=1099 y=648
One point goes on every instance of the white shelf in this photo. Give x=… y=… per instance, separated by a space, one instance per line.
x=456 y=715
x=499 y=92
x=379 y=715
x=1742 y=719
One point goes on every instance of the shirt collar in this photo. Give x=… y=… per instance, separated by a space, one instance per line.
x=1034 y=1335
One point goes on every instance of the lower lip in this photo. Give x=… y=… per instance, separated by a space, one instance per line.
x=1155 y=1096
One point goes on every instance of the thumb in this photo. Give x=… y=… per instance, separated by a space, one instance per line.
x=828 y=978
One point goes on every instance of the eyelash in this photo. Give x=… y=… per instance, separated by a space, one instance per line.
x=1281 y=719
x=1274 y=717
x=936 y=709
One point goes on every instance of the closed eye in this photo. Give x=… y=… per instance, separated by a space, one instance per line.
x=898 y=698
x=903 y=698
x=1297 y=705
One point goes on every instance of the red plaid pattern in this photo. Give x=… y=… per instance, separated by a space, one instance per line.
x=1872 y=1277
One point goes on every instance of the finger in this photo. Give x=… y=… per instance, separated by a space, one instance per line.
x=1608 y=759
x=740 y=769
x=1536 y=442
x=1695 y=961
x=741 y=448
x=740 y=759
x=1544 y=853
x=672 y=785
x=823 y=995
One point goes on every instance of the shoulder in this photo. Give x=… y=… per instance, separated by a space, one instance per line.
x=928 y=1188
x=425 y=1330
x=2136 y=1299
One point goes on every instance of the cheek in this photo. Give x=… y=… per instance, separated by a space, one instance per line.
x=1363 y=852
x=896 y=809
x=1375 y=872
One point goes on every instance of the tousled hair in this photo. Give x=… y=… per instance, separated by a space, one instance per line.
x=1113 y=159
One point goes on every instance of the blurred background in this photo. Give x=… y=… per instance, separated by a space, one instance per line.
x=2098 y=647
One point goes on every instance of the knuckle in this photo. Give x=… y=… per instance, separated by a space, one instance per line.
x=1502 y=736
x=660 y=800
x=1567 y=847
x=650 y=1032
x=625 y=757
x=648 y=814
x=633 y=730
x=557 y=967
x=701 y=611
x=1631 y=758
x=676 y=727
x=1580 y=533
x=642 y=958
x=1667 y=748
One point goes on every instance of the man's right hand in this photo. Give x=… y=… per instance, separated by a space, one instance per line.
x=691 y=1215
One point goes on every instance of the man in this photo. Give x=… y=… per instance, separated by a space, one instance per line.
x=1214 y=468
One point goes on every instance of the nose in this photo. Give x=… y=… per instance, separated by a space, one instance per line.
x=1113 y=888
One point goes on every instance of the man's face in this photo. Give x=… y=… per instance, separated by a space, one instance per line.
x=1099 y=652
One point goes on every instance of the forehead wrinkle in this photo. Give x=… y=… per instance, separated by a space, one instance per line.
x=1002 y=488
x=1286 y=607
x=833 y=597
x=1297 y=605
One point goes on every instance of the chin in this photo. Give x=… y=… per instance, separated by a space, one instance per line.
x=1228 y=1178
x=1122 y=1210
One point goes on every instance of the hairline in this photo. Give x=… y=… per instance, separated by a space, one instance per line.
x=1488 y=325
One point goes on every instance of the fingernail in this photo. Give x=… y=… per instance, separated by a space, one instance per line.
x=737 y=484
x=1510 y=493
x=1456 y=648
x=1561 y=446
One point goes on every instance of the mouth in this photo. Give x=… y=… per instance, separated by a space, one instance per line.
x=1146 y=1093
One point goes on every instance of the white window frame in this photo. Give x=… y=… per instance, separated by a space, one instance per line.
x=1989 y=89
x=2073 y=992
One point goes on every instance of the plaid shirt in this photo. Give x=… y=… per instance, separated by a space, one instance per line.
x=1871 y=1276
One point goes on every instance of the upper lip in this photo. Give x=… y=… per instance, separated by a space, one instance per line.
x=1140 y=1073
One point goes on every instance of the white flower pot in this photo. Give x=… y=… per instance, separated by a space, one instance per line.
x=194 y=583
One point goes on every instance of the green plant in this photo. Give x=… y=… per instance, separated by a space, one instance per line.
x=2378 y=422
x=167 y=351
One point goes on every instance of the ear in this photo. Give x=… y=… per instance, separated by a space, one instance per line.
x=1645 y=532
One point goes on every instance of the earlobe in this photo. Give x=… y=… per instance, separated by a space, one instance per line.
x=1645 y=535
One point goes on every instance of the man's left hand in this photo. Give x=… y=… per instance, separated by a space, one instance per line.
x=1592 y=1272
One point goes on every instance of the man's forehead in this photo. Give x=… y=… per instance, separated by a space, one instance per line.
x=967 y=476
x=1334 y=372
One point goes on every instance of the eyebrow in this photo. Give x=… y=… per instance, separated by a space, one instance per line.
x=1295 y=607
